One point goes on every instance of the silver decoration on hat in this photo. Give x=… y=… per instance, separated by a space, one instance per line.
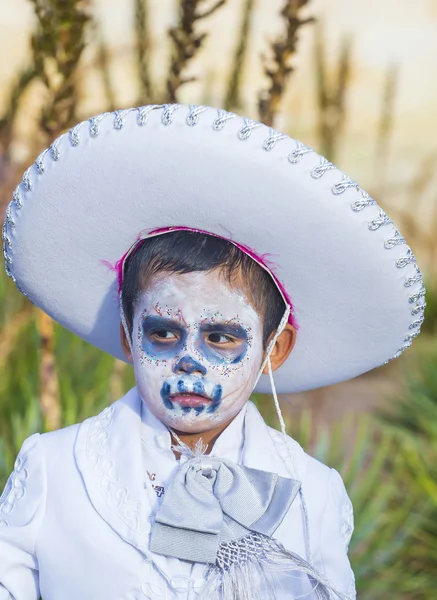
x=296 y=155
x=194 y=113
x=382 y=219
x=223 y=116
x=16 y=197
x=343 y=185
x=9 y=220
x=119 y=117
x=249 y=125
x=322 y=167
x=365 y=200
x=168 y=113
x=39 y=163
x=27 y=182
x=395 y=240
x=6 y=239
x=143 y=113
x=73 y=135
x=416 y=323
x=420 y=308
x=94 y=124
x=54 y=150
x=409 y=281
x=403 y=261
x=417 y=295
x=274 y=137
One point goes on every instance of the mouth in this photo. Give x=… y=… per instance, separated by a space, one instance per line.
x=189 y=400
x=190 y=395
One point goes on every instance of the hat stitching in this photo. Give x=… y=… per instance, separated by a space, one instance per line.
x=54 y=150
x=321 y=168
x=297 y=154
x=193 y=116
x=143 y=113
x=364 y=201
x=249 y=125
x=274 y=136
x=222 y=118
x=95 y=122
x=343 y=185
x=244 y=133
x=382 y=219
x=39 y=163
x=74 y=135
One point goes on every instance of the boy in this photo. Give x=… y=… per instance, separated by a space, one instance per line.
x=179 y=489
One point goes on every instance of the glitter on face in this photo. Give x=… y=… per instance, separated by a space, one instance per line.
x=198 y=349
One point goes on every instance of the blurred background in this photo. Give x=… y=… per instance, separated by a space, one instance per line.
x=357 y=81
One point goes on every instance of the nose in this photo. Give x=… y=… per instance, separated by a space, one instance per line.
x=188 y=365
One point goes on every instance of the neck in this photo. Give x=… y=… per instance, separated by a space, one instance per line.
x=208 y=437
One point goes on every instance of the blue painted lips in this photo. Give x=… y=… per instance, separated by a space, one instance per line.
x=198 y=389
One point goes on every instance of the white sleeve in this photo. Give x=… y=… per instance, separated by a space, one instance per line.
x=21 y=510
x=336 y=532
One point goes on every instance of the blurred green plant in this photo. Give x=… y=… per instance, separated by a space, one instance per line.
x=414 y=416
x=90 y=378
x=430 y=323
x=392 y=512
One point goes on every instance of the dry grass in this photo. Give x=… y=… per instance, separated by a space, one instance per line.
x=331 y=95
x=233 y=97
x=143 y=51
x=103 y=63
x=386 y=124
x=279 y=67
x=186 y=42
x=57 y=47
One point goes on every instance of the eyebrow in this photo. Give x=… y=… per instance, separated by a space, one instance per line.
x=152 y=320
x=225 y=327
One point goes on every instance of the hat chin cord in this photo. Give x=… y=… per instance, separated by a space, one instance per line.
x=294 y=472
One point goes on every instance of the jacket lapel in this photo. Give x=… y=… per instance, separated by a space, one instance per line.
x=108 y=455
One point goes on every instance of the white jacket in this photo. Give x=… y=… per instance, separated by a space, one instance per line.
x=75 y=515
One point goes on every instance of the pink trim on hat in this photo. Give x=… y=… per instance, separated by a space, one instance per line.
x=262 y=260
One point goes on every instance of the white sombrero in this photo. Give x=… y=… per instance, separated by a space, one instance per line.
x=357 y=293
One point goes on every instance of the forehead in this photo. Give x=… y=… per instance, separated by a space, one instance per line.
x=198 y=292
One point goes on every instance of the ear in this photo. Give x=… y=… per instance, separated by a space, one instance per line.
x=282 y=348
x=125 y=344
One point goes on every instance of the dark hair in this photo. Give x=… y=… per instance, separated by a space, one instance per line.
x=187 y=251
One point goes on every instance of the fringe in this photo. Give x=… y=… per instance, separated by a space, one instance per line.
x=257 y=567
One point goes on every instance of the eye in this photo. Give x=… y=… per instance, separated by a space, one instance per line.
x=220 y=338
x=163 y=334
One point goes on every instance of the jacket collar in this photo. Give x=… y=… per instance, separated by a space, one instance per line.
x=109 y=457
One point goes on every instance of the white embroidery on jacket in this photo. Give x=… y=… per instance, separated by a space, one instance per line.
x=14 y=490
x=103 y=469
x=347 y=522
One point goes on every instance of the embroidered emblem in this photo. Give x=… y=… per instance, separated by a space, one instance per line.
x=152 y=476
x=14 y=490
x=159 y=489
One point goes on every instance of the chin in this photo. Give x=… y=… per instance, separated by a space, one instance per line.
x=192 y=423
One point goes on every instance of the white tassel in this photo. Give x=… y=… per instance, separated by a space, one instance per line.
x=257 y=567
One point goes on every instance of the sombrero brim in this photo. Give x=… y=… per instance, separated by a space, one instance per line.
x=357 y=293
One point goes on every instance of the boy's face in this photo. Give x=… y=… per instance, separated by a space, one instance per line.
x=197 y=346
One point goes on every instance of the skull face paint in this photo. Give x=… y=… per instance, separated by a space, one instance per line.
x=197 y=346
